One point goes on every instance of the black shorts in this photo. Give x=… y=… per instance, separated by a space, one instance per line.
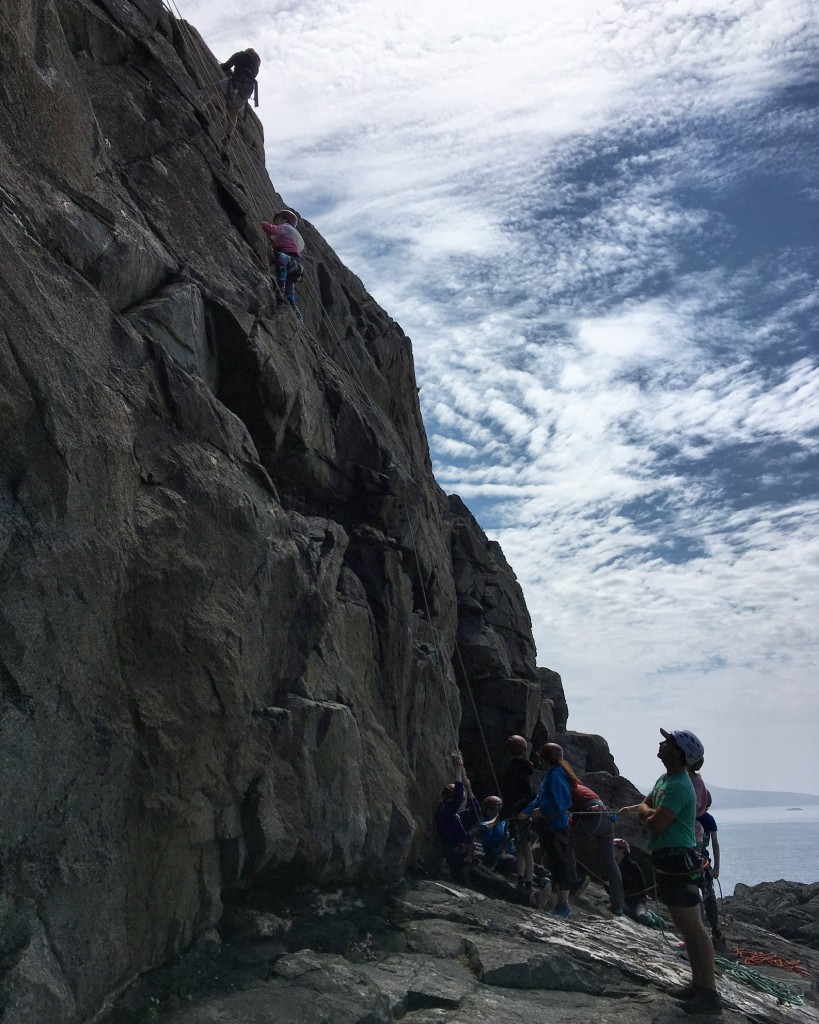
x=679 y=877
x=243 y=88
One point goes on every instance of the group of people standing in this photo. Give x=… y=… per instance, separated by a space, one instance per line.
x=509 y=824
x=568 y=820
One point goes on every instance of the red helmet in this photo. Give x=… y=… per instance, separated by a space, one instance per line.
x=517 y=745
x=551 y=752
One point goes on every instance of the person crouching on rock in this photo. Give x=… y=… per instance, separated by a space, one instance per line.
x=493 y=833
x=550 y=813
x=668 y=813
x=516 y=793
x=237 y=89
x=457 y=812
x=634 y=884
x=285 y=260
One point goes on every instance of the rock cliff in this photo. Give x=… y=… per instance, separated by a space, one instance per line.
x=238 y=617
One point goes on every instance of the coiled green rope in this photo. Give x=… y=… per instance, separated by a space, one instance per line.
x=784 y=993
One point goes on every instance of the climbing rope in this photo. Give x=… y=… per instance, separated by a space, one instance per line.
x=206 y=81
x=203 y=76
x=755 y=958
x=784 y=993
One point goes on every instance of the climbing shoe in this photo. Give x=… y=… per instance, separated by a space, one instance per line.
x=685 y=992
x=563 y=910
x=706 y=1000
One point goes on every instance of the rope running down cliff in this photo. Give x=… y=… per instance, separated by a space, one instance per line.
x=259 y=183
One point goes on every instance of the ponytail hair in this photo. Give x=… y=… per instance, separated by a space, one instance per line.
x=567 y=768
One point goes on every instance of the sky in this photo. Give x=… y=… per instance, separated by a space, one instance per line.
x=599 y=224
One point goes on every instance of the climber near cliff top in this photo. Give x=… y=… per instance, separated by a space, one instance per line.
x=285 y=260
x=668 y=813
x=242 y=68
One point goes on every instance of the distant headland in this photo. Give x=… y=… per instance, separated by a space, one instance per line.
x=760 y=798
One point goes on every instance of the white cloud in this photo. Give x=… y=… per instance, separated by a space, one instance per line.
x=587 y=217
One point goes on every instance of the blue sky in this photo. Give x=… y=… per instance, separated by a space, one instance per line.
x=598 y=224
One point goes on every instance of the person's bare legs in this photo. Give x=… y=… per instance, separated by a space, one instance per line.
x=233 y=114
x=697 y=945
x=525 y=861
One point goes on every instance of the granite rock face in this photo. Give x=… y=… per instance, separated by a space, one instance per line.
x=230 y=588
x=790 y=909
x=437 y=952
x=551 y=688
x=495 y=653
x=216 y=526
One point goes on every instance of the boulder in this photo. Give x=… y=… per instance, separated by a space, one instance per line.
x=791 y=909
x=551 y=689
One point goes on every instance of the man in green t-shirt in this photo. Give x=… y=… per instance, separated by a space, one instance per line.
x=668 y=812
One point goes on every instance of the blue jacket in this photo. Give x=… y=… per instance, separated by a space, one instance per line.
x=553 y=799
x=495 y=839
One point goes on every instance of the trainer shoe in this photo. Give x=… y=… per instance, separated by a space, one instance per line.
x=563 y=910
x=707 y=1000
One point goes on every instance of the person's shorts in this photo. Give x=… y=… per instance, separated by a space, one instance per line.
x=519 y=831
x=679 y=877
x=243 y=89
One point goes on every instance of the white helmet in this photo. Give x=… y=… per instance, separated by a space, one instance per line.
x=688 y=743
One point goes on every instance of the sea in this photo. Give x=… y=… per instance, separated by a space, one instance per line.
x=763 y=844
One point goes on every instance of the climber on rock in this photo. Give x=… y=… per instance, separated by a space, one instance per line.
x=285 y=260
x=668 y=812
x=241 y=84
x=457 y=813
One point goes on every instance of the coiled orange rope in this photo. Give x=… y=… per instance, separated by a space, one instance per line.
x=755 y=958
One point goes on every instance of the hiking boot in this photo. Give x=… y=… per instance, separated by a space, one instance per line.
x=563 y=910
x=707 y=1000
x=579 y=886
x=685 y=992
